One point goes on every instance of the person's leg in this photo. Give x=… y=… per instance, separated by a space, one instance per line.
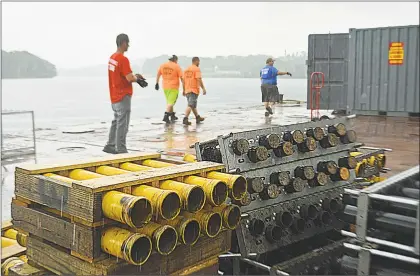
x=266 y=99
x=193 y=104
x=110 y=145
x=173 y=97
x=123 y=121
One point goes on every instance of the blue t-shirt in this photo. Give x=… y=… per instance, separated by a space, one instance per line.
x=269 y=75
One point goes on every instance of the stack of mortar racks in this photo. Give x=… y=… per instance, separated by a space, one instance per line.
x=386 y=238
x=296 y=176
x=131 y=214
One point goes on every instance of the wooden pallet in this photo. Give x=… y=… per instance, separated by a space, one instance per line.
x=183 y=261
x=81 y=200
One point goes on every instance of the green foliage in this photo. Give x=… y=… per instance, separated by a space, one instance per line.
x=235 y=66
x=21 y=64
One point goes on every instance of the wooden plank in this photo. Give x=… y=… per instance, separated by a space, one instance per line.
x=125 y=180
x=6 y=225
x=12 y=251
x=61 y=262
x=83 y=240
x=77 y=164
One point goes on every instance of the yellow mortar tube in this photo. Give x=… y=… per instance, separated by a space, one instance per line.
x=190 y=158
x=156 y=164
x=16 y=235
x=237 y=183
x=108 y=170
x=165 y=204
x=80 y=174
x=381 y=160
x=131 y=210
x=231 y=214
x=210 y=222
x=164 y=237
x=9 y=263
x=192 y=196
x=133 y=167
x=216 y=190
x=135 y=248
x=5 y=242
x=188 y=229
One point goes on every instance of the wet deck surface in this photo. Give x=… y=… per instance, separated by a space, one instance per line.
x=87 y=141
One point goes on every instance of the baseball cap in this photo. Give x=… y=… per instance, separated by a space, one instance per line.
x=174 y=57
x=270 y=60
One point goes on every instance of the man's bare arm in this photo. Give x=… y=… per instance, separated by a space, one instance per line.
x=202 y=86
x=283 y=73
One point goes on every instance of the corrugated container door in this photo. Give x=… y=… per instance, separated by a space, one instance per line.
x=328 y=53
x=384 y=70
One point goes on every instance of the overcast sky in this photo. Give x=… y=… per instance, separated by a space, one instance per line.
x=81 y=34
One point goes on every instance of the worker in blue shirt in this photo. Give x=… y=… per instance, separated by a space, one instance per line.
x=270 y=92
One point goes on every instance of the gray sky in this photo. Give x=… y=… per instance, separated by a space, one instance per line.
x=76 y=34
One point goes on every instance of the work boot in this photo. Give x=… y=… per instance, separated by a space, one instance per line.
x=269 y=110
x=109 y=149
x=267 y=114
x=166 y=118
x=199 y=119
x=186 y=122
x=173 y=117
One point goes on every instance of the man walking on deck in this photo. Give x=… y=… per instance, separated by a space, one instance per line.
x=269 y=90
x=171 y=74
x=193 y=82
x=120 y=78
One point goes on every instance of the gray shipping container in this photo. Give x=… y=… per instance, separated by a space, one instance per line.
x=358 y=76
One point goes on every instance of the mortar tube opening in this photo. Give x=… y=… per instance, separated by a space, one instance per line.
x=219 y=193
x=191 y=232
x=274 y=233
x=141 y=250
x=299 y=225
x=284 y=219
x=326 y=218
x=141 y=212
x=312 y=211
x=234 y=217
x=239 y=187
x=171 y=206
x=166 y=242
x=334 y=206
x=257 y=227
x=195 y=200
x=214 y=224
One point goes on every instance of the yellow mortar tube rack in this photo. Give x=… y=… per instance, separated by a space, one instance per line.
x=6 y=242
x=188 y=229
x=164 y=237
x=192 y=196
x=236 y=183
x=166 y=204
x=16 y=235
x=210 y=222
x=128 y=209
x=135 y=248
x=231 y=214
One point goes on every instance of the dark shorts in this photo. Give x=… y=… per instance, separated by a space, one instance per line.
x=192 y=99
x=270 y=93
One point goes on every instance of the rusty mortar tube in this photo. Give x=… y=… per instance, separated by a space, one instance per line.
x=16 y=235
x=350 y=137
x=343 y=174
x=165 y=203
x=135 y=248
x=9 y=263
x=164 y=237
x=192 y=196
x=337 y=129
x=216 y=190
x=210 y=222
x=128 y=209
x=188 y=229
x=231 y=214
x=128 y=166
x=237 y=184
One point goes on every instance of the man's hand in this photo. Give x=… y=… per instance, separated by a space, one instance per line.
x=140 y=76
x=288 y=73
x=184 y=94
x=204 y=91
x=157 y=86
